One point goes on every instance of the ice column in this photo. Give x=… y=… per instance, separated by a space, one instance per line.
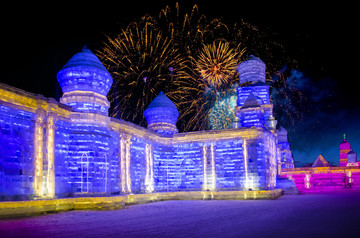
x=50 y=178
x=204 y=159
x=245 y=156
x=209 y=173
x=38 y=152
x=125 y=144
x=82 y=172
x=149 y=177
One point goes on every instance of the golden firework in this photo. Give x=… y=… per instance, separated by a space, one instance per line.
x=217 y=63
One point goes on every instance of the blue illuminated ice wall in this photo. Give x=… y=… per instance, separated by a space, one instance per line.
x=16 y=152
x=218 y=165
x=75 y=149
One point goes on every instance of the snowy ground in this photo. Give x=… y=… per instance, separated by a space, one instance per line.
x=311 y=215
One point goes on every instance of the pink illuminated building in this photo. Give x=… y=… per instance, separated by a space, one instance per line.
x=322 y=177
x=344 y=150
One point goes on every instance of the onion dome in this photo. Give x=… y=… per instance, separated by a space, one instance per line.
x=252 y=70
x=161 y=115
x=344 y=145
x=85 y=82
x=85 y=72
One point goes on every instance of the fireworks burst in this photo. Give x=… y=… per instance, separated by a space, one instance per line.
x=143 y=63
x=200 y=91
x=217 y=63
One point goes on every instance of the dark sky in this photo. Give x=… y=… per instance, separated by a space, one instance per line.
x=38 y=40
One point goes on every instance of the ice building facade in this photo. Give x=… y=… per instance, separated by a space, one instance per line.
x=72 y=147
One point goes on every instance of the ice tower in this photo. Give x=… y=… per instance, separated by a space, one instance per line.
x=253 y=103
x=85 y=82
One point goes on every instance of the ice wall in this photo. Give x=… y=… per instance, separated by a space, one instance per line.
x=16 y=153
x=92 y=159
x=73 y=148
x=51 y=150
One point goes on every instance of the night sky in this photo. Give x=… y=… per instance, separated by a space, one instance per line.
x=38 y=40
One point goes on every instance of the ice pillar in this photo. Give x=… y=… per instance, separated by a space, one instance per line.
x=209 y=173
x=125 y=144
x=245 y=156
x=149 y=173
x=50 y=178
x=38 y=153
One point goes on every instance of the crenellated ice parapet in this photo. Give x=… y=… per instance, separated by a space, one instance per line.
x=85 y=82
x=161 y=115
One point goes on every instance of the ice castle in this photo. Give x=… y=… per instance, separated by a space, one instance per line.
x=72 y=147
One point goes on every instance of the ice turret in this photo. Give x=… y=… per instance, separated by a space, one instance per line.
x=161 y=115
x=85 y=82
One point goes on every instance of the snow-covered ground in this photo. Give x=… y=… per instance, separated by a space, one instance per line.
x=310 y=215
